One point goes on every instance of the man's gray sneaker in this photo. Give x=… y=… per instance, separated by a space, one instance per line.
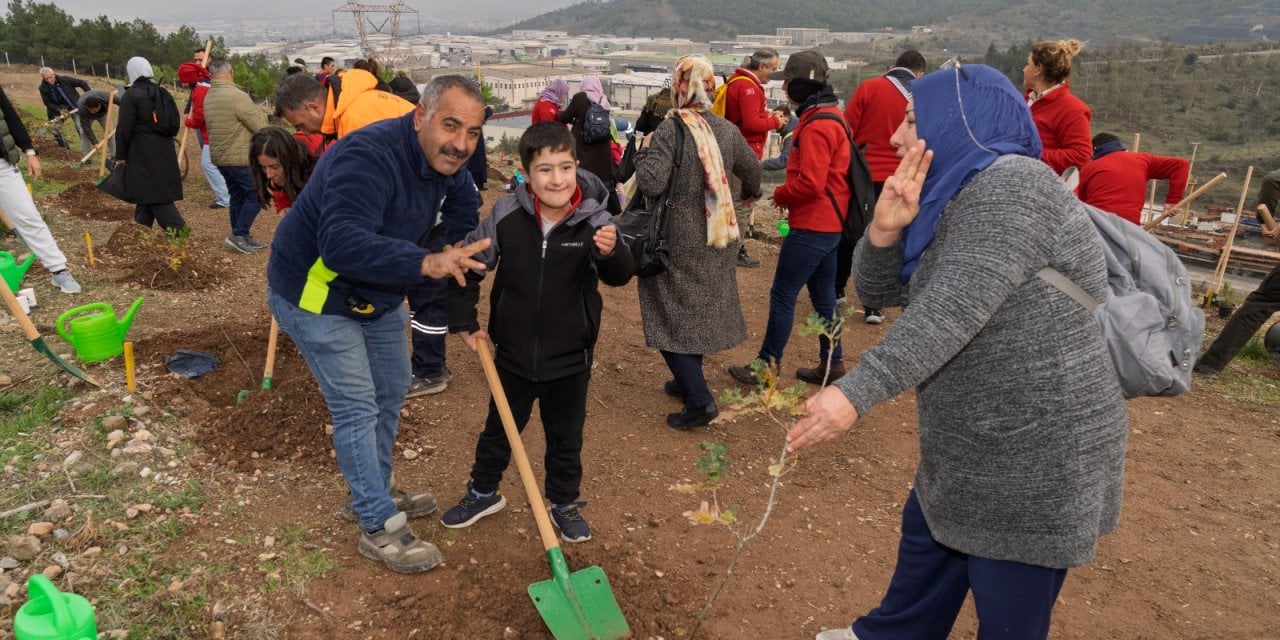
x=64 y=281
x=429 y=385
x=413 y=505
x=471 y=508
x=396 y=546
x=240 y=243
x=254 y=242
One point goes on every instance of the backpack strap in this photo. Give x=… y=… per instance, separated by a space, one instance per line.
x=1065 y=285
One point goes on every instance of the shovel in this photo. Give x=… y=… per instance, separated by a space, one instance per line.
x=578 y=605
x=34 y=336
x=271 y=354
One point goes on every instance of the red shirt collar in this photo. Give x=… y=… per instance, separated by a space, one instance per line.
x=574 y=201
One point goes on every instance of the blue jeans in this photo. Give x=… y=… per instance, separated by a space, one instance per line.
x=244 y=198
x=807 y=259
x=217 y=184
x=930 y=582
x=362 y=369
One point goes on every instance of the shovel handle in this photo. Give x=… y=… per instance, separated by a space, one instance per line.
x=549 y=539
x=271 y=349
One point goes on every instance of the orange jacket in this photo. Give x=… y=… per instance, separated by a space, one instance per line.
x=359 y=104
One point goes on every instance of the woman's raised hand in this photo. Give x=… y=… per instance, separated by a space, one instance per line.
x=899 y=201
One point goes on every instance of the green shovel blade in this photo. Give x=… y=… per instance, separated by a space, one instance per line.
x=44 y=350
x=578 y=605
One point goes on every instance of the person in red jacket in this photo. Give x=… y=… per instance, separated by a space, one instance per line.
x=746 y=108
x=194 y=74
x=817 y=182
x=1062 y=119
x=547 y=109
x=1116 y=180
x=874 y=113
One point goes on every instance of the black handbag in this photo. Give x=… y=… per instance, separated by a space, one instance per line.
x=113 y=184
x=644 y=224
x=627 y=167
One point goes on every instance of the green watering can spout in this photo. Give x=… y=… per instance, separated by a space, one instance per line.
x=123 y=325
x=11 y=271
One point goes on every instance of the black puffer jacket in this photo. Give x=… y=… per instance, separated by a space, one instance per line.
x=544 y=311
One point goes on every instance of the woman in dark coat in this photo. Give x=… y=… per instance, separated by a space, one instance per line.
x=692 y=308
x=596 y=158
x=152 y=180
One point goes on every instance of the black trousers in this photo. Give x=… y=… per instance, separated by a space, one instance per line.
x=562 y=404
x=1256 y=310
x=165 y=213
x=430 y=322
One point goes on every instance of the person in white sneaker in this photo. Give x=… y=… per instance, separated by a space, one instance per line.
x=16 y=202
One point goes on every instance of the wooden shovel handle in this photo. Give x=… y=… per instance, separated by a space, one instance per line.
x=1170 y=210
x=271 y=349
x=549 y=539
x=15 y=310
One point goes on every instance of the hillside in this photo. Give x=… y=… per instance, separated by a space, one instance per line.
x=1104 y=20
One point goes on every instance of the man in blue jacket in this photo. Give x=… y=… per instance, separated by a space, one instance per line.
x=340 y=265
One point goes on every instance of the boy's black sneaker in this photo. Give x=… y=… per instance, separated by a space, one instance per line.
x=472 y=507
x=570 y=523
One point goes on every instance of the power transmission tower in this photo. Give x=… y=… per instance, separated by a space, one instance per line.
x=388 y=55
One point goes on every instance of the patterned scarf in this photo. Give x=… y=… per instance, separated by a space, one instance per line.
x=694 y=83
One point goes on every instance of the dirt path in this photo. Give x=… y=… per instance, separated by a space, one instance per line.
x=1195 y=555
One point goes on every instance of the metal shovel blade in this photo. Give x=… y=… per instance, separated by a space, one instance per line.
x=578 y=605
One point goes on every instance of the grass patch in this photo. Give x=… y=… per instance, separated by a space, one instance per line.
x=26 y=410
x=294 y=566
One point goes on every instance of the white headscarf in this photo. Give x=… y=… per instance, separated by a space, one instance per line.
x=138 y=67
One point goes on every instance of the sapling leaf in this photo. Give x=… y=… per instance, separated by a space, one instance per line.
x=775 y=469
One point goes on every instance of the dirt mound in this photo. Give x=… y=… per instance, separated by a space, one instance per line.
x=85 y=201
x=145 y=255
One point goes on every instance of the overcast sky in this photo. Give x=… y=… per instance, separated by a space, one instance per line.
x=160 y=11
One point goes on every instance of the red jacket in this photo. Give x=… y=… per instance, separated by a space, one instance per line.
x=819 y=164
x=195 y=119
x=1063 y=122
x=874 y=113
x=744 y=106
x=545 y=111
x=1117 y=182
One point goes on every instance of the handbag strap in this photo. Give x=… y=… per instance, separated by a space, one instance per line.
x=660 y=207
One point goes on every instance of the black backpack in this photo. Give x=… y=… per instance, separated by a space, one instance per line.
x=164 y=111
x=596 y=125
x=856 y=214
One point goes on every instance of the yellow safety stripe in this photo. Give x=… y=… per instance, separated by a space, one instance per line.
x=316 y=290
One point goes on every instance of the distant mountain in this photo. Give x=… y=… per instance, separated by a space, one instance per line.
x=1103 y=20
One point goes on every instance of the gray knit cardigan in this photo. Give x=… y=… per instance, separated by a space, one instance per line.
x=1023 y=427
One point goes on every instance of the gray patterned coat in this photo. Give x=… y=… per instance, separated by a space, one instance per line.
x=693 y=307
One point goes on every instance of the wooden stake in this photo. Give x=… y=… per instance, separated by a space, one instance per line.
x=129 y=382
x=182 y=147
x=106 y=126
x=1186 y=202
x=88 y=244
x=1137 y=140
x=1220 y=273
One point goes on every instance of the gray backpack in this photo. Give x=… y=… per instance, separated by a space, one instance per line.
x=1151 y=326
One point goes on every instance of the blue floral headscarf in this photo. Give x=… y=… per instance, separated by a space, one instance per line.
x=968 y=116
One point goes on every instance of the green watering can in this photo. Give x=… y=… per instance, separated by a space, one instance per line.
x=50 y=614
x=96 y=336
x=11 y=271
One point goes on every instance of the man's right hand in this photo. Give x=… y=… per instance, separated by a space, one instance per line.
x=454 y=260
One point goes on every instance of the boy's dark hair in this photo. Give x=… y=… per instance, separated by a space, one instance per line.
x=198 y=50
x=1103 y=138
x=911 y=59
x=326 y=60
x=545 y=136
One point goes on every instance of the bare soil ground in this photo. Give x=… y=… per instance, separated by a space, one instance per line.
x=1195 y=555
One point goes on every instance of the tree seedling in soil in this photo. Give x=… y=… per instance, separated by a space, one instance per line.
x=782 y=405
x=175 y=245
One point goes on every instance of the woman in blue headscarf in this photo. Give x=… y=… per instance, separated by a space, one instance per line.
x=1022 y=424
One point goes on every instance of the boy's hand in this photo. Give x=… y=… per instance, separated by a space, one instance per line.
x=470 y=338
x=606 y=239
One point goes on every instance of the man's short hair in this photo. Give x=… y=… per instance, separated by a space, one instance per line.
x=1103 y=138
x=326 y=60
x=911 y=59
x=300 y=62
x=545 y=136
x=46 y=70
x=433 y=90
x=297 y=89
x=219 y=66
x=759 y=58
x=198 y=50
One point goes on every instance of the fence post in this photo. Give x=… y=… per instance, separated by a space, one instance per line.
x=73 y=67
x=6 y=60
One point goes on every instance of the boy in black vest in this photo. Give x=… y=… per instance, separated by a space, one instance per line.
x=551 y=241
